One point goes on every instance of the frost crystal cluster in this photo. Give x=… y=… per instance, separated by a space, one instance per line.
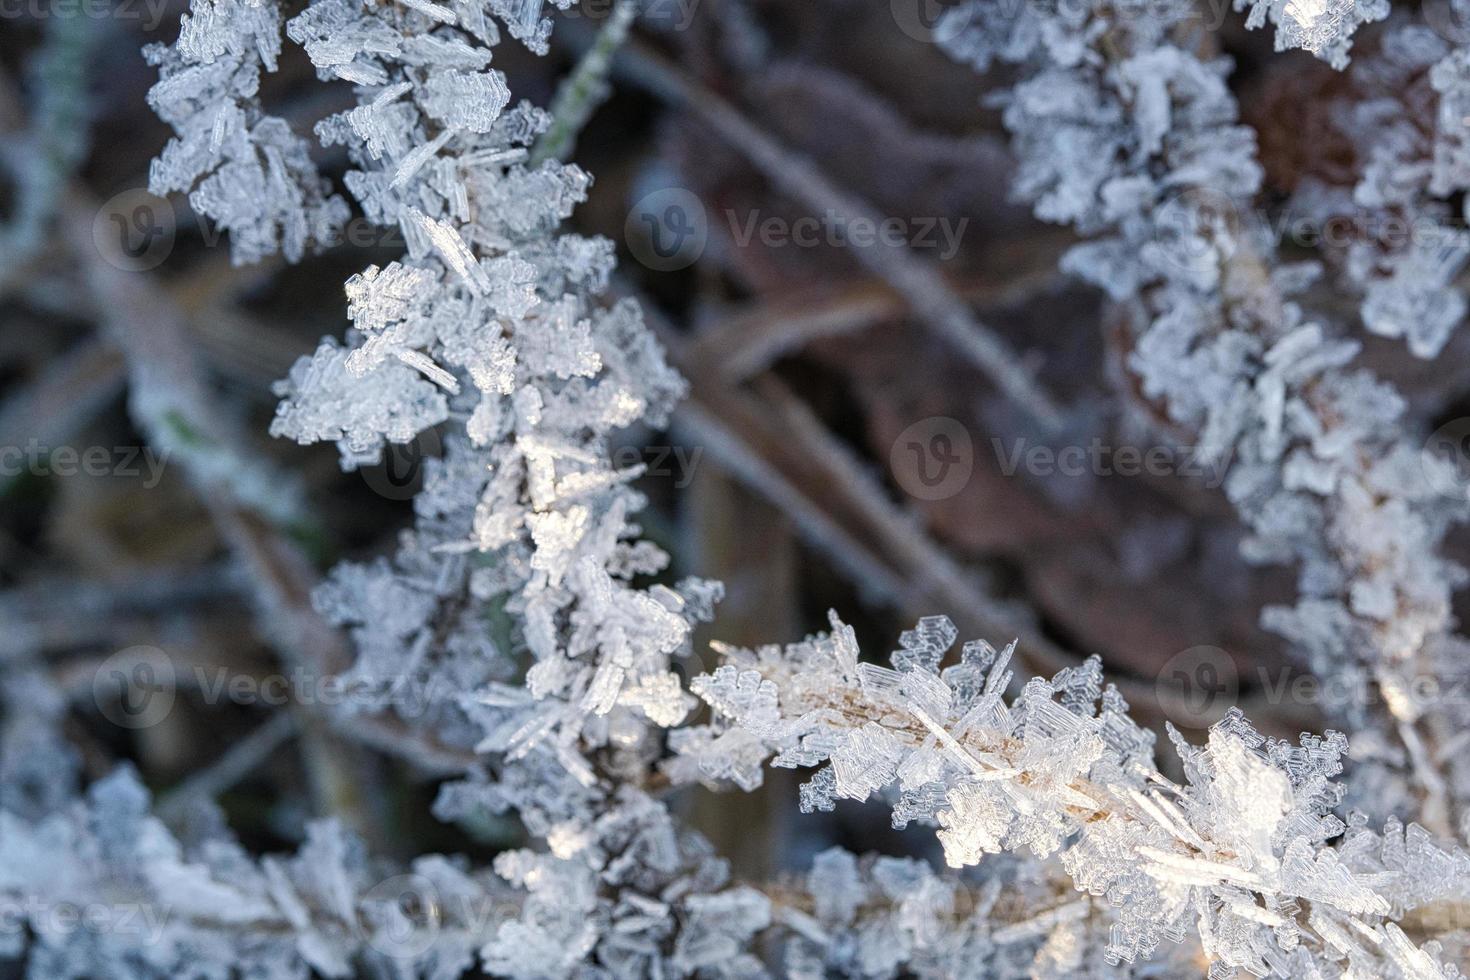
x=555 y=675
x=1237 y=856
x=1126 y=133
x=1397 y=236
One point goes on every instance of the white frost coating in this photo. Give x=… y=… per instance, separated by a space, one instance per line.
x=243 y=169
x=1233 y=855
x=1122 y=131
x=1323 y=27
x=491 y=332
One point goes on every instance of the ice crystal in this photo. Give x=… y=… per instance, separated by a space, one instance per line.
x=242 y=168
x=1323 y=27
x=1239 y=853
x=325 y=402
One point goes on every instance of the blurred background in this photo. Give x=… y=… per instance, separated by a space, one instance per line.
x=836 y=451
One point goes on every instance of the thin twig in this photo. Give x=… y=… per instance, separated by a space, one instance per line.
x=925 y=291
x=585 y=89
x=746 y=342
x=57 y=613
x=168 y=401
x=391 y=737
x=68 y=394
x=239 y=761
x=777 y=461
x=58 y=136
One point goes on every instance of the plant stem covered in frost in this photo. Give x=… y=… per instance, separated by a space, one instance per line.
x=1239 y=855
x=1125 y=133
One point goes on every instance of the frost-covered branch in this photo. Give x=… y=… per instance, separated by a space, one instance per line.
x=242 y=167
x=920 y=284
x=1394 y=233
x=490 y=330
x=1247 y=854
x=1123 y=132
x=157 y=906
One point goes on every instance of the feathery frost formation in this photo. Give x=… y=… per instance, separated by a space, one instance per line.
x=1396 y=237
x=1125 y=133
x=243 y=168
x=1239 y=855
x=1323 y=27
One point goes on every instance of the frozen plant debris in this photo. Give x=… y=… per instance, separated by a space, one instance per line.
x=525 y=631
x=1059 y=773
